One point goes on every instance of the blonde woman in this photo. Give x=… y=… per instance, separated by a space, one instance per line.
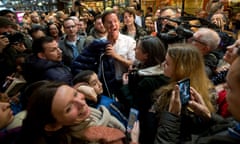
x=185 y=61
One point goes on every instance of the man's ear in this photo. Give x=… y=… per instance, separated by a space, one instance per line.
x=41 y=55
x=52 y=127
x=207 y=49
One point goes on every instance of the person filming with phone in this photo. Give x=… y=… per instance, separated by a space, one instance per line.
x=180 y=66
x=221 y=131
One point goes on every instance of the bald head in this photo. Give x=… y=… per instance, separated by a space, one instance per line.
x=208 y=37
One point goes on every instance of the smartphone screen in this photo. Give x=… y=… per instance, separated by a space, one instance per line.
x=184 y=86
x=133 y=117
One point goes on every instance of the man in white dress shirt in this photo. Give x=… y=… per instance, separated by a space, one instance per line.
x=121 y=47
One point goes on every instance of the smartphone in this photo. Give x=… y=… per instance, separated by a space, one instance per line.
x=133 y=117
x=184 y=86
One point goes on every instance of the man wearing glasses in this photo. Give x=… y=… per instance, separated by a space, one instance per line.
x=71 y=43
x=208 y=41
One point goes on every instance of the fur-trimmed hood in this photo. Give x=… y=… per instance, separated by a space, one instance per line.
x=151 y=71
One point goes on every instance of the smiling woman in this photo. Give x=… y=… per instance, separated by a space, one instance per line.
x=57 y=113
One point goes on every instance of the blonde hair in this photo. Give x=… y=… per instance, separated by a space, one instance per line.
x=189 y=63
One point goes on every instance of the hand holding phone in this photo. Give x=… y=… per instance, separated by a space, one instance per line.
x=133 y=117
x=184 y=86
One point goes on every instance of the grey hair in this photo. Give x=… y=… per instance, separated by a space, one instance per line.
x=74 y=18
x=209 y=37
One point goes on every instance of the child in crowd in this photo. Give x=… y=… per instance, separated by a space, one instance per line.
x=88 y=83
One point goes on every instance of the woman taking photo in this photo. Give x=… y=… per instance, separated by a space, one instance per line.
x=185 y=61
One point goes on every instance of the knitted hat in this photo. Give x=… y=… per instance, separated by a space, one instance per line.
x=6 y=11
x=4 y=22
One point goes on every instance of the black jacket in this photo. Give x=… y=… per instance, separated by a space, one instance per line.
x=169 y=131
x=35 y=69
x=92 y=58
x=138 y=94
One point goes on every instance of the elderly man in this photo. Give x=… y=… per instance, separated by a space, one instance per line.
x=207 y=41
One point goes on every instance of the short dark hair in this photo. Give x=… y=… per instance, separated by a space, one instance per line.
x=37 y=45
x=97 y=17
x=66 y=19
x=83 y=76
x=35 y=29
x=150 y=9
x=106 y=13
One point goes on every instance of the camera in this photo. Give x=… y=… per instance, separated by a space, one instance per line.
x=171 y=34
x=14 y=38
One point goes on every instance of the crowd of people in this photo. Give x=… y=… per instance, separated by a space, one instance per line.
x=71 y=78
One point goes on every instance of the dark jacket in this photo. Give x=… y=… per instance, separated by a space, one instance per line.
x=218 y=133
x=138 y=94
x=67 y=50
x=35 y=69
x=92 y=36
x=211 y=61
x=93 y=58
x=9 y=136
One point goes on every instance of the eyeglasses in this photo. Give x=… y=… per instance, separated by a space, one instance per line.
x=69 y=27
x=193 y=40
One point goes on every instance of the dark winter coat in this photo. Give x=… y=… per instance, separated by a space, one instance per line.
x=218 y=133
x=93 y=58
x=67 y=50
x=138 y=94
x=36 y=69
